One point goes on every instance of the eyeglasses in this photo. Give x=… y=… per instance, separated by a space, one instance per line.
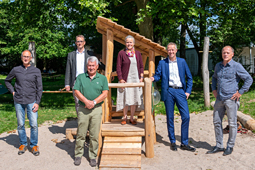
x=79 y=41
x=26 y=56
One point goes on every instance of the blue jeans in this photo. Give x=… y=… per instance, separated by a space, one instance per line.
x=20 y=114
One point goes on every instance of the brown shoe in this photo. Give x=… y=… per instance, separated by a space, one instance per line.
x=133 y=122
x=35 y=150
x=123 y=122
x=22 y=149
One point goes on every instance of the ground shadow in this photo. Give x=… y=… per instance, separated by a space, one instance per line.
x=70 y=123
x=192 y=142
x=13 y=139
x=69 y=145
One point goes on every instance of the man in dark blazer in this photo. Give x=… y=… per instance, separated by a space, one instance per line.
x=174 y=89
x=75 y=65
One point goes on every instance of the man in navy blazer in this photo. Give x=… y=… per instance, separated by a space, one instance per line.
x=174 y=89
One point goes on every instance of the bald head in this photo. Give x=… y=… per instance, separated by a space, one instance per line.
x=228 y=46
x=26 y=58
x=227 y=53
x=26 y=51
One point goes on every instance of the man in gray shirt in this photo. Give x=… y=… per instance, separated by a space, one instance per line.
x=27 y=95
x=225 y=89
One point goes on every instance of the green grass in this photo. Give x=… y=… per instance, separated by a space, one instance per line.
x=56 y=107
x=53 y=107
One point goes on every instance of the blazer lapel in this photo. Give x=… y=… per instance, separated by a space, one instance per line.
x=167 y=67
x=85 y=61
x=74 y=63
x=179 y=68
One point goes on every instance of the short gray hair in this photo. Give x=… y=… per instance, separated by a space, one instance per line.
x=92 y=59
x=130 y=36
x=232 y=49
x=172 y=43
x=80 y=36
x=28 y=51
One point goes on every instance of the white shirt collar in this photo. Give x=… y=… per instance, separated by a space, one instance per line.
x=80 y=53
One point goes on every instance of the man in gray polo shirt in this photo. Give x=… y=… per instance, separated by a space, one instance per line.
x=225 y=89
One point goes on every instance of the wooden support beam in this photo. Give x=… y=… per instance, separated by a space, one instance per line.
x=118 y=114
x=119 y=85
x=108 y=70
x=104 y=41
x=144 y=60
x=149 y=135
x=145 y=72
x=151 y=63
x=138 y=42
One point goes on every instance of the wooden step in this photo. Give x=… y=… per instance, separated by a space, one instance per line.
x=121 y=151
x=120 y=161
x=118 y=114
x=133 y=139
x=116 y=129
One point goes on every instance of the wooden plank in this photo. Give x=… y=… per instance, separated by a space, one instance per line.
x=134 y=139
x=121 y=151
x=122 y=145
x=143 y=42
x=119 y=85
x=149 y=135
x=117 y=114
x=118 y=133
x=120 y=161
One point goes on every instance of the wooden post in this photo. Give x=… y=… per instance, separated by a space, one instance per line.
x=149 y=135
x=151 y=73
x=205 y=72
x=104 y=41
x=108 y=70
x=151 y=62
x=31 y=47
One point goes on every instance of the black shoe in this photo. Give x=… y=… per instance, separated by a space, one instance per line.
x=228 y=151
x=188 y=148
x=93 y=162
x=77 y=161
x=173 y=147
x=215 y=150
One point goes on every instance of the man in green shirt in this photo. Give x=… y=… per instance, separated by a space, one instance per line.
x=91 y=88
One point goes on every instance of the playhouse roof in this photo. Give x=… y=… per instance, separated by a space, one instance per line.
x=142 y=44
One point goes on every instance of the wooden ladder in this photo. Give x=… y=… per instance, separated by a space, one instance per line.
x=121 y=152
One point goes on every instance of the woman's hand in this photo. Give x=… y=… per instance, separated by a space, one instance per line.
x=141 y=80
x=122 y=81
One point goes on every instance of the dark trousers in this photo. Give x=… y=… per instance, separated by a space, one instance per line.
x=177 y=96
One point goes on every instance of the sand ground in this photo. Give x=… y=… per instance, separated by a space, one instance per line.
x=55 y=156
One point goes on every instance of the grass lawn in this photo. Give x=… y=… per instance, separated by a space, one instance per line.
x=56 y=107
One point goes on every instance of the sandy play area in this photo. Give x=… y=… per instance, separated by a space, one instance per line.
x=58 y=153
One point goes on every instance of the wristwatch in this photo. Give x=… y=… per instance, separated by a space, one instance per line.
x=94 y=102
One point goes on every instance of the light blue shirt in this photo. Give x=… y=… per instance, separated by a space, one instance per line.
x=226 y=78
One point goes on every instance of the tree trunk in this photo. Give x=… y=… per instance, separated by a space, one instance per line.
x=205 y=72
x=202 y=28
x=182 y=41
x=145 y=27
